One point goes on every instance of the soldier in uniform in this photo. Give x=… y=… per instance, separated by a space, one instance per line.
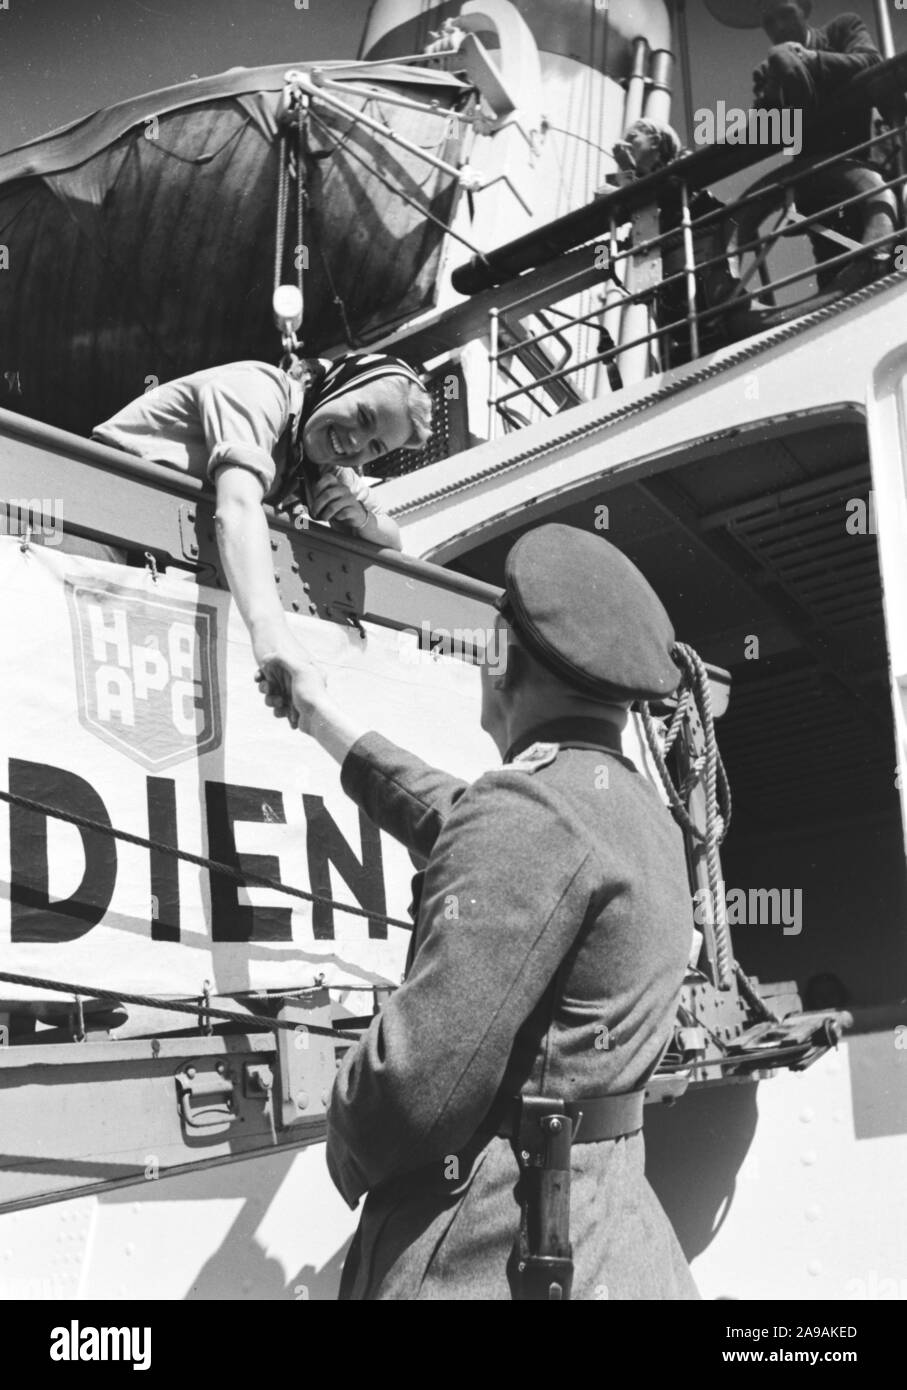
x=552 y=932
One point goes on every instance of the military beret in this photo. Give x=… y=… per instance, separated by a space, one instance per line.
x=588 y=615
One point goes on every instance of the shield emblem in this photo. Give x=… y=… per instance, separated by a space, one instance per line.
x=146 y=671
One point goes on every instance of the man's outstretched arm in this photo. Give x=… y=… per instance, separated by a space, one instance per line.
x=506 y=891
x=399 y=792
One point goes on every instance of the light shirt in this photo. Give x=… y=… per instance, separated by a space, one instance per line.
x=239 y=414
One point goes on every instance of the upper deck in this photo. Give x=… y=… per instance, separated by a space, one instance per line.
x=659 y=289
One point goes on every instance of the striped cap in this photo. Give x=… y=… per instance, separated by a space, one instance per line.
x=353 y=371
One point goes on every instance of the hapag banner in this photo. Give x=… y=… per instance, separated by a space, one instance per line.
x=131 y=701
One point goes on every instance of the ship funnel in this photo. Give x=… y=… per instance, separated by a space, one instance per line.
x=736 y=14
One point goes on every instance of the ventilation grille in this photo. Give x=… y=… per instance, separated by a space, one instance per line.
x=447 y=388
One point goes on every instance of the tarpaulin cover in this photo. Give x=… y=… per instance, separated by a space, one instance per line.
x=139 y=242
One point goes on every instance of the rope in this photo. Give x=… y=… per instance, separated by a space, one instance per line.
x=201 y=158
x=300 y=196
x=283 y=177
x=696 y=688
x=241 y=877
x=374 y=99
x=291 y=159
x=710 y=769
x=302 y=114
x=399 y=193
x=572 y=135
x=187 y=1006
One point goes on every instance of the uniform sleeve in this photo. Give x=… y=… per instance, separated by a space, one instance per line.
x=243 y=413
x=507 y=889
x=399 y=792
x=851 y=51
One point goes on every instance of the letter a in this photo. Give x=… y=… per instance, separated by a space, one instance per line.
x=59 y=1344
x=704 y=127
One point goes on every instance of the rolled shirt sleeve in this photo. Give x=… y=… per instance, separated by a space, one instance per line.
x=243 y=413
x=497 y=918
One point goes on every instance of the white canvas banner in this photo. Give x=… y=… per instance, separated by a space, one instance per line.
x=132 y=702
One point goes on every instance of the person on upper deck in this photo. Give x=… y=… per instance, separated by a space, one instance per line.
x=261 y=434
x=648 y=147
x=806 y=69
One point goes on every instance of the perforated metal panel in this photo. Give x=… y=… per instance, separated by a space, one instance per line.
x=447 y=387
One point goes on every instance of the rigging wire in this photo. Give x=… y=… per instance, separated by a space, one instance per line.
x=187 y=1006
x=201 y=158
x=559 y=130
x=399 y=193
x=436 y=145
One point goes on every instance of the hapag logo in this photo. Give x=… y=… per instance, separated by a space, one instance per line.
x=146 y=671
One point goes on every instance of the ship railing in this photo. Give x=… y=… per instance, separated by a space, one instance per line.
x=636 y=272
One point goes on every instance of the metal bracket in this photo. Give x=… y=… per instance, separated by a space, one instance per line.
x=202 y=1082
x=258 y=1079
x=306 y=1063
x=188 y=537
x=544 y=1134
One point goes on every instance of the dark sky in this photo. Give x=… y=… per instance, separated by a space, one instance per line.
x=61 y=59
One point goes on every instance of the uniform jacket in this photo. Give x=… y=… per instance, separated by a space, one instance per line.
x=552 y=934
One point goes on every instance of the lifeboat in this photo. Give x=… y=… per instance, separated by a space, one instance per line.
x=141 y=241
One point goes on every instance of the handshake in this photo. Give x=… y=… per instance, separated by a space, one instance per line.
x=293 y=687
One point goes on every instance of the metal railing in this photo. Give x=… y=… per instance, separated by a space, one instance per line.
x=660 y=280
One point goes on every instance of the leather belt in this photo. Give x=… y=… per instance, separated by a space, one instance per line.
x=594 y=1118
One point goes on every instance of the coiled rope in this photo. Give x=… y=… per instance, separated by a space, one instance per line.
x=696 y=688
